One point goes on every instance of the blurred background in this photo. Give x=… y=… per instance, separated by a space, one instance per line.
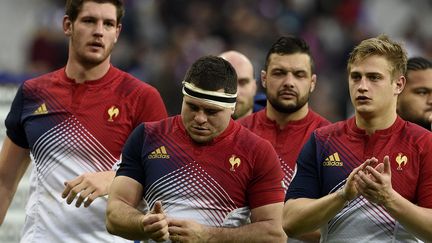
x=160 y=39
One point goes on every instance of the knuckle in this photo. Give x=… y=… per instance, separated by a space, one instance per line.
x=75 y=191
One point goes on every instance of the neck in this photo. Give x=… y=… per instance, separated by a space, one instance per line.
x=81 y=72
x=283 y=118
x=371 y=123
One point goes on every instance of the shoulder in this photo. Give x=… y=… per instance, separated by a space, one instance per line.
x=43 y=80
x=164 y=126
x=318 y=119
x=251 y=141
x=332 y=129
x=415 y=132
x=131 y=84
x=252 y=119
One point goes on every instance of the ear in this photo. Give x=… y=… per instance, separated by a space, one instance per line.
x=254 y=86
x=264 y=79
x=67 y=26
x=118 y=30
x=313 y=83
x=400 y=84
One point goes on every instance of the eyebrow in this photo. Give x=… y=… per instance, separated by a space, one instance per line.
x=367 y=73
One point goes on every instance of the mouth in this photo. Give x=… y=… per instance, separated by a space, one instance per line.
x=363 y=98
x=287 y=94
x=199 y=130
x=96 y=44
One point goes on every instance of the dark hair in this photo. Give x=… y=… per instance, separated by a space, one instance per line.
x=417 y=64
x=73 y=7
x=212 y=73
x=286 y=45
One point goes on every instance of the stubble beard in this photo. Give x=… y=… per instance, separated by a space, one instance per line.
x=90 y=60
x=288 y=108
x=242 y=110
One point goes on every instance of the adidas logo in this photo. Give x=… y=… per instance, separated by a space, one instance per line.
x=41 y=110
x=159 y=153
x=333 y=160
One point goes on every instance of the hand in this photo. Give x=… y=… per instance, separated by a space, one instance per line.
x=186 y=231
x=88 y=185
x=375 y=183
x=350 y=191
x=155 y=224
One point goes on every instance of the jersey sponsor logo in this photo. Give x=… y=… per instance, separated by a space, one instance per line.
x=113 y=112
x=41 y=110
x=159 y=153
x=234 y=162
x=401 y=160
x=333 y=160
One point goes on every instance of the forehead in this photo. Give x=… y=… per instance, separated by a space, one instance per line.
x=420 y=78
x=201 y=103
x=372 y=64
x=292 y=61
x=101 y=10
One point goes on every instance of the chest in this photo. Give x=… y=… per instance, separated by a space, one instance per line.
x=338 y=157
x=80 y=111
x=224 y=171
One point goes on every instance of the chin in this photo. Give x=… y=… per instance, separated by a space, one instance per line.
x=365 y=112
x=200 y=139
x=94 y=59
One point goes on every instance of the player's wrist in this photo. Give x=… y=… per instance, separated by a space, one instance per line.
x=343 y=196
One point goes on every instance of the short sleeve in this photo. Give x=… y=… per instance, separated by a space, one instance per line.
x=266 y=186
x=424 y=186
x=14 y=126
x=131 y=165
x=305 y=183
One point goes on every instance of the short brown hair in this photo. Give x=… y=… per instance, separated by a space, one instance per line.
x=73 y=7
x=383 y=46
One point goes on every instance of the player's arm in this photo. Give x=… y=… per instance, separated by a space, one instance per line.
x=415 y=219
x=303 y=215
x=265 y=226
x=125 y=220
x=376 y=186
x=14 y=161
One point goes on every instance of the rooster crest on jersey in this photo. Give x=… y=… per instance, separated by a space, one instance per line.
x=235 y=162
x=113 y=112
x=401 y=159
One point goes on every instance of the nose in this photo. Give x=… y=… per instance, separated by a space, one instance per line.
x=98 y=31
x=362 y=87
x=200 y=117
x=289 y=80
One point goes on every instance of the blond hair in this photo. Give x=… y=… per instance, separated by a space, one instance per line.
x=382 y=45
